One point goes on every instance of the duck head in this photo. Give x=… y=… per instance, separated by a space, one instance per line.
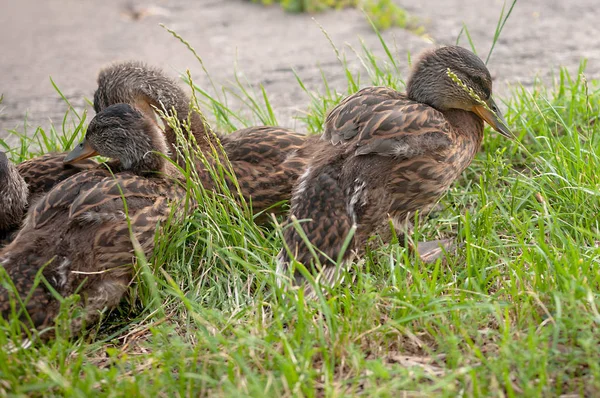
x=431 y=84
x=123 y=133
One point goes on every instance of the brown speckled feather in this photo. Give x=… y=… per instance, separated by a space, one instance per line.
x=262 y=144
x=320 y=209
x=44 y=172
x=267 y=161
x=89 y=190
x=40 y=174
x=381 y=121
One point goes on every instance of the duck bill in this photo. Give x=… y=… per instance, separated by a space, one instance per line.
x=494 y=119
x=81 y=151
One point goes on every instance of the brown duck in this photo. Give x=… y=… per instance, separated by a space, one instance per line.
x=388 y=154
x=13 y=197
x=266 y=160
x=78 y=232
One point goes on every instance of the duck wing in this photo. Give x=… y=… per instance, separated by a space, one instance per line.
x=262 y=144
x=267 y=161
x=382 y=121
x=98 y=192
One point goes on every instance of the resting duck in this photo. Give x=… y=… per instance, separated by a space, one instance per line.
x=388 y=154
x=266 y=160
x=13 y=198
x=78 y=232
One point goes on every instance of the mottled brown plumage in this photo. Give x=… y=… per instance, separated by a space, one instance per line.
x=13 y=198
x=388 y=154
x=39 y=176
x=78 y=232
x=266 y=160
x=44 y=172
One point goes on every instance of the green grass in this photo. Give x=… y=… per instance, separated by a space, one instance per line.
x=384 y=13
x=513 y=313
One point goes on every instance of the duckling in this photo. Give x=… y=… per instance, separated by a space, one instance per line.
x=388 y=154
x=13 y=198
x=77 y=235
x=267 y=160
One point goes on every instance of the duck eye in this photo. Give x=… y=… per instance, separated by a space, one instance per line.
x=486 y=92
x=482 y=85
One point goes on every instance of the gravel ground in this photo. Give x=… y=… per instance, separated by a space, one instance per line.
x=70 y=40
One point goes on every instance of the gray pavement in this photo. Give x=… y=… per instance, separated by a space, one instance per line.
x=71 y=40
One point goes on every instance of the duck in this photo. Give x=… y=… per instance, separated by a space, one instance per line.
x=77 y=235
x=13 y=197
x=386 y=155
x=266 y=160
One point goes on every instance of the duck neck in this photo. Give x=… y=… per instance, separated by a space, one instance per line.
x=151 y=153
x=173 y=99
x=469 y=126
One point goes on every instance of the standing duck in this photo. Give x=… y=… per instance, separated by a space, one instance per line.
x=77 y=235
x=388 y=154
x=267 y=160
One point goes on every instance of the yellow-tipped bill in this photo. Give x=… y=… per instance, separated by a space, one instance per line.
x=494 y=119
x=80 y=152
